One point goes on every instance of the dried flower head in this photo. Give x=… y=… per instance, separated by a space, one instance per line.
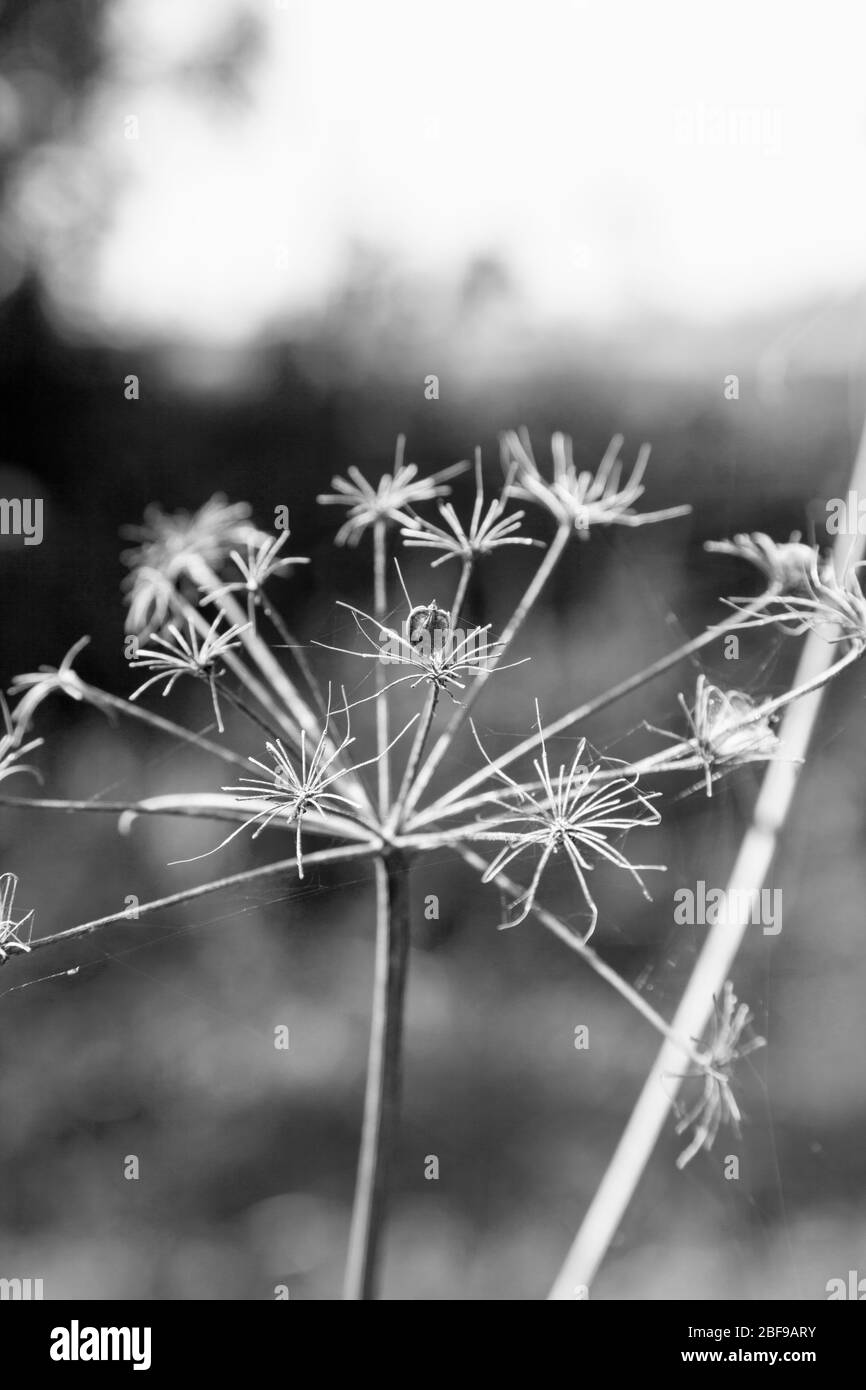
x=392 y=498
x=786 y=565
x=11 y=748
x=834 y=608
x=291 y=790
x=35 y=686
x=717 y=1104
x=190 y=655
x=571 y=813
x=10 y=930
x=169 y=547
x=727 y=729
x=437 y=655
x=583 y=499
x=263 y=562
x=488 y=530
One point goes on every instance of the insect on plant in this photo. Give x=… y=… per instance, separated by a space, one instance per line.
x=201 y=603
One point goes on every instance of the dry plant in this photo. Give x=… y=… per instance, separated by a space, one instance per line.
x=202 y=604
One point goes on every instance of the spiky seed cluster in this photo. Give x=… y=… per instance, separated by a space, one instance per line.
x=11 y=747
x=572 y=814
x=717 y=1104
x=11 y=940
x=833 y=607
x=786 y=565
x=487 y=530
x=263 y=562
x=392 y=499
x=35 y=686
x=290 y=791
x=441 y=664
x=188 y=655
x=583 y=499
x=727 y=728
x=169 y=547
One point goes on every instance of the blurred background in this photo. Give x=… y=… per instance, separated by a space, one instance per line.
x=282 y=219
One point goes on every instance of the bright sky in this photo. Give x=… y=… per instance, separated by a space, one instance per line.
x=701 y=159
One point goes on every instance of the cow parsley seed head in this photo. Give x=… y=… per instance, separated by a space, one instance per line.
x=188 y=655
x=262 y=563
x=726 y=728
x=434 y=654
x=11 y=747
x=292 y=788
x=12 y=937
x=390 y=500
x=717 y=1104
x=786 y=565
x=834 y=608
x=35 y=686
x=573 y=813
x=583 y=499
x=487 y=531
x=171 y=545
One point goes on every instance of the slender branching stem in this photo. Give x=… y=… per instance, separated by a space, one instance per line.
x=749 y=873
x=101 y=699
x=281 y=866
x=418 y=745
x=122 y=808
x=460 y=595
x=235 y=614
x=583 y=711
x=242 y=707
x=518 y=617
x=594 y=961
x=382 y=1093
x=380 y=609
x=296 y=649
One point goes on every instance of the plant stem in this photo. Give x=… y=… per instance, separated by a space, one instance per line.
x=320 y=856
x=724 y=939
x=297 y=651
x=462 y=586
x=102 y=698
x=382 y=1094
x=589 y=707
x=380 y=609
x=120 y=808
x=243 y=708
x=595 y=962
x=418 y=746
x=524 y=607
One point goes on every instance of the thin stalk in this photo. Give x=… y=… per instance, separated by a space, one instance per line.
x=243 y=708
x=595 y=962
x=521 y=612
x=380 y=609
x=260 y=692
x=121 y=808
x=418 y=746
x=382 y=1094
x=589 y=707
x=165 y=726
x=462 y=586
x=713 y=965
x=320 y=856
x=297 y=651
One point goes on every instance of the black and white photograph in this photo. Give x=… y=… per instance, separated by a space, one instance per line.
x=432 y=603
